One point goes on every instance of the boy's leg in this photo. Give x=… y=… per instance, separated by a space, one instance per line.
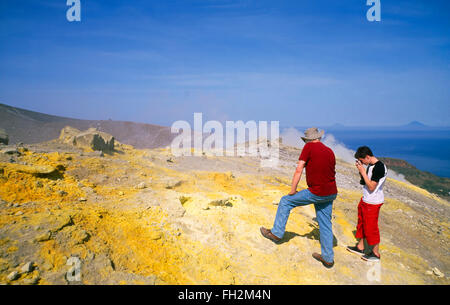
x=323 y=214
x=371 y=226
x=376 y=250
x=360 y=227
x=287 y=203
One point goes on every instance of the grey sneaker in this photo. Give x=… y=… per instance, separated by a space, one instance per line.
x=355 y=250
x=371 y=257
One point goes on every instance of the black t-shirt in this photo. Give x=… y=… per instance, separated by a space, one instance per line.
x=378 y=172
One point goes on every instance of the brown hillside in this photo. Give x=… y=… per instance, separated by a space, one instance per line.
x=31 y=127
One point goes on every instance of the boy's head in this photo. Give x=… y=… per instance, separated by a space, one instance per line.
x=364 y=154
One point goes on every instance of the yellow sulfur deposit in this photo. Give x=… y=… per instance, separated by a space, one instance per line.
x=147 y=217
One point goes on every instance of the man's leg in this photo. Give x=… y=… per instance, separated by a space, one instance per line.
x=323 y=214
x=287 y=203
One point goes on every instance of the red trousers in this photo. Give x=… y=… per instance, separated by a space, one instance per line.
x=367 y=226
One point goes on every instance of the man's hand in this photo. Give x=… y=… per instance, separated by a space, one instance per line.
x=296 y=178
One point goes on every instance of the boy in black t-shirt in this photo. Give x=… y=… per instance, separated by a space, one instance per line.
x=373 y=179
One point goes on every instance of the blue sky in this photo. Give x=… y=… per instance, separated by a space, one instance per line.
x=299 y=62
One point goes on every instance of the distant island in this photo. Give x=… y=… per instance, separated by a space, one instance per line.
x=413 y=125
x=416 y=124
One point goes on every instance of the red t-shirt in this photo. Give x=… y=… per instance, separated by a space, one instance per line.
x=320 y=168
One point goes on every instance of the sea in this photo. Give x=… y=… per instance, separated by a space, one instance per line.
x=428 y=150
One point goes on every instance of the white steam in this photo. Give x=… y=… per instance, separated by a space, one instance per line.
x=292 y=137
x=342 y=152
x=396 y=176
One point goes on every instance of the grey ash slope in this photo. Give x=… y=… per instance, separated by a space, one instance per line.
x=33 y=127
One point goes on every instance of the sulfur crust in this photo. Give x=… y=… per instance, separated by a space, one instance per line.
x=211 y=244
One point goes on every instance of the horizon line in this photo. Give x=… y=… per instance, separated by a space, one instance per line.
x=332 y=126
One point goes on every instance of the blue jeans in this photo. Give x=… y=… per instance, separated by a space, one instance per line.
x=324 y=208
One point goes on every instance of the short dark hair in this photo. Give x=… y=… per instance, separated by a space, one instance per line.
x=363 y=152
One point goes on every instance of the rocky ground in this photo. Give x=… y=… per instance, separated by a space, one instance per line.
x=146 y=217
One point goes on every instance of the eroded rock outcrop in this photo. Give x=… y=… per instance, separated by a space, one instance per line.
x=28 y=169
x=91 y=138
x=4 y=138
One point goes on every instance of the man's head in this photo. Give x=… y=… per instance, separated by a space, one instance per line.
x=364 y=154
x=312 y=134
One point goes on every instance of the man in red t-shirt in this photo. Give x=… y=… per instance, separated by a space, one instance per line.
x=320 y=162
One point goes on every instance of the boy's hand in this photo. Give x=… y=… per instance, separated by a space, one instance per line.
x=360 y=167
x=292 y=193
